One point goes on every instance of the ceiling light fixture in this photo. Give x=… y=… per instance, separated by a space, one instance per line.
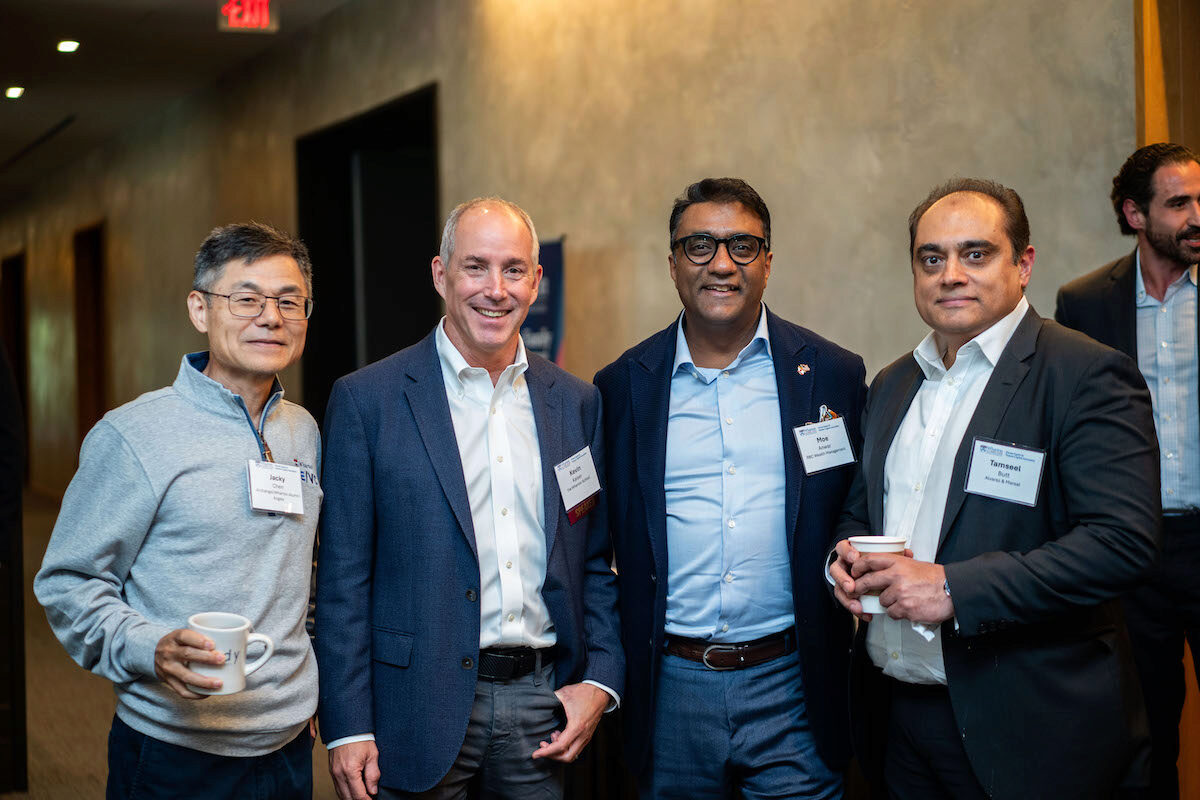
x=68 y=46
x=13 y=92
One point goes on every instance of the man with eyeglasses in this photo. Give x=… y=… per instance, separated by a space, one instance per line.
x=730 y=438
x=166 y=517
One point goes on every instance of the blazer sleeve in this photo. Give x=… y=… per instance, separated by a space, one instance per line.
x=1106 y=456
x=344 y=572
x=605 y=657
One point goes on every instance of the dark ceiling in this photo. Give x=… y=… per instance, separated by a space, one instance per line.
x=135 y=56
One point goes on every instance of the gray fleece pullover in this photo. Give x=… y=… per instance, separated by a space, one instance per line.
x=156 y=526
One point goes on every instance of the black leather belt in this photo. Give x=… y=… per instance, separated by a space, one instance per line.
x=506 y=663
x=735 y=655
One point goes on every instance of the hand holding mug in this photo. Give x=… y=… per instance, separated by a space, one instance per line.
x=230 y=636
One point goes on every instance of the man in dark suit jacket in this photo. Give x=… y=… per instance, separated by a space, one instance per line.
x=1019 y=462
x=736 y=656
x=1150 y=315
x=466 y=611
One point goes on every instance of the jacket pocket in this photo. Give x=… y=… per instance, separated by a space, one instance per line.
x=391 y=647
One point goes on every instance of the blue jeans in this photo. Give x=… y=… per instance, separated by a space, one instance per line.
x=141 y=767
x=736 y=733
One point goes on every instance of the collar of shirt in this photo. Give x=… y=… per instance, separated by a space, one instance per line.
x=1142 y=298
x=463 y=379
x=683 y=355
x=990 y=343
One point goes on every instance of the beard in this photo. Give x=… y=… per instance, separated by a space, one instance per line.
x=1170 y=245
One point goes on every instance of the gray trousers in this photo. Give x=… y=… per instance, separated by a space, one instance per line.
x=508 y=721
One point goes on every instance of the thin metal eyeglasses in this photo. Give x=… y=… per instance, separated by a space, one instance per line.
x=250 y=304
x=700 y=248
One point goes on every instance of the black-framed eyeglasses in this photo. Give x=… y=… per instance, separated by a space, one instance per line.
x=700 y=248
x=250 y=304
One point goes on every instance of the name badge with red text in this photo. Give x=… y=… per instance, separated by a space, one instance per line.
x=578 y=484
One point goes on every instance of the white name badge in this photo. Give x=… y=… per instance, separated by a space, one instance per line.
x=824 y=445
x=275 y=487
x=578 y=484
x=1005 y=471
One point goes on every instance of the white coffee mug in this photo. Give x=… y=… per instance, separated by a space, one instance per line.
x=876 y=544
x=230 y=634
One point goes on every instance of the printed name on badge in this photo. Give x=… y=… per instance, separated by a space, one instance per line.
x=1004 y=471
x=578 y=484
x=824 y=445
x=275 y=487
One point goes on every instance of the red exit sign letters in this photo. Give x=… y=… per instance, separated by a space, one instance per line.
x=247 y=16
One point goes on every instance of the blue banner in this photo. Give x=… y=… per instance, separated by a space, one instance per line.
x=543 y=328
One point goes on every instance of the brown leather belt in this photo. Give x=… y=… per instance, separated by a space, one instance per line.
x=735 y=655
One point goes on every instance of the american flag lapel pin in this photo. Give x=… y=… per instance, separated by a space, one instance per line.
x=802 y=369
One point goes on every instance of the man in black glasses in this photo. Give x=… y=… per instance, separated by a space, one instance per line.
x=200 y=497
x=731 y=438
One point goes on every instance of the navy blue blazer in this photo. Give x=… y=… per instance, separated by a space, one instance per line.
x=636 y=389
x=397 y=621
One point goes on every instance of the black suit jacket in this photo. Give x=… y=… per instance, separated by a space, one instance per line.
x=809 y=371
x=1101 y=304
x=1039 y=670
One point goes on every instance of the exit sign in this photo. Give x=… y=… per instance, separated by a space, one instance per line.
x=247 y=16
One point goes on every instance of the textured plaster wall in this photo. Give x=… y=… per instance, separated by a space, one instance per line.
x=594 y=115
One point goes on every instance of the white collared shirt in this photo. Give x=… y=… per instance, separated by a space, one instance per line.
x=502 y=465
x=916 y=482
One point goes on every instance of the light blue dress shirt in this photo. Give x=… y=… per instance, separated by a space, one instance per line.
x=729 y=577
x=1166 y=354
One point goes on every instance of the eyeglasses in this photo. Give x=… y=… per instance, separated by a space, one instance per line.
x=700 y=248
x=250 y=304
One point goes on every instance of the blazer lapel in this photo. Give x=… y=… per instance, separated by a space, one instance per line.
x=650 y=394
x=1007 y=375
x=879 y=441
x=547 y=416
x=1120 y=305
x=795 y=388
x=426 y=393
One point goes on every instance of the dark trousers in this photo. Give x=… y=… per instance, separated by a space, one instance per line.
x=141 y=767
x=1160 y=614
x=926 y=759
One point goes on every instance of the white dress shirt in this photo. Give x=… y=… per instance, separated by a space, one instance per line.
x=916 y=482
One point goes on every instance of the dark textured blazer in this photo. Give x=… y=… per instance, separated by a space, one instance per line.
x=637 y=389
x=1039 y=669
x=1101 y=304
x=397 y=636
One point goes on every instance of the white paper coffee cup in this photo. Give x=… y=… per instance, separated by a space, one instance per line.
x=876 y=544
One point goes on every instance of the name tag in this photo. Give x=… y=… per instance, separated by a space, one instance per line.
x=824 y=445
x=275 y=487
x=578 y=484
x=1005 y=471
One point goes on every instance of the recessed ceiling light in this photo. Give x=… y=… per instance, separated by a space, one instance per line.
x=13 y=92
x=68 y=46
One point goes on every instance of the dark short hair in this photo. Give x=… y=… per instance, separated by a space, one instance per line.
x=1016 y=224
x=1135 y=180
x=722 y=190
x=248 y=242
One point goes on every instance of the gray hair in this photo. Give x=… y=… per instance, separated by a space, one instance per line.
x=451 y=229
x=246 y=241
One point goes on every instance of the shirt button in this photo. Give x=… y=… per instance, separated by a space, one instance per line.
x=732 y=469
x=504 y=512
x=895 y=655
x=729 y=577
x=1164 y=309
x=1164 y=344
x=917 y=486
x=732 y=523
x=499 y=459
x=511 y=617
x=1170 y=491
x=493 y=412
x=725 y=374
x=1166 y=417
x=725 y=627
x=1166 y=380
x=468 y=663
x=729 y=420
x=508 y=565
x=1170 y=455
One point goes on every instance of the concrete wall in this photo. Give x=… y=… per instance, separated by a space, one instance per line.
x=594 y=115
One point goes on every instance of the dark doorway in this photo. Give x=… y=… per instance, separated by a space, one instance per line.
x=14 y=333
x=91 y=345
x=369 y=213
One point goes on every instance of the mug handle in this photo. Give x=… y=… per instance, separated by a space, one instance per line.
x=258 y=662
